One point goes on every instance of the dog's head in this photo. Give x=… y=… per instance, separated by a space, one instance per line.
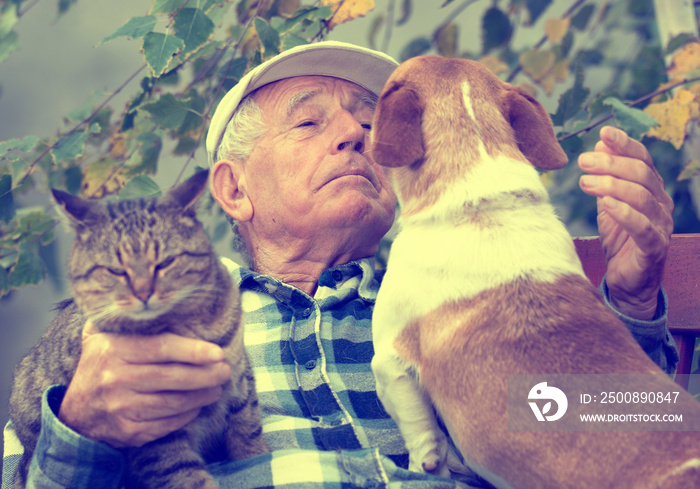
x=455 y=110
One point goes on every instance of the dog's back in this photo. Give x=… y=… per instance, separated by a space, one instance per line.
x=483 y=282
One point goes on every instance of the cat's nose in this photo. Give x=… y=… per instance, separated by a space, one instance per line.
x=142 y=288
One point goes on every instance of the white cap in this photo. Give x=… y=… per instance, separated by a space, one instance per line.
x=365 y=67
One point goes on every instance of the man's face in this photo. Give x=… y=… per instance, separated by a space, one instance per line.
x=309 y=173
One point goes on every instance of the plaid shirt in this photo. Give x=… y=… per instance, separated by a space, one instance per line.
x=321 y=415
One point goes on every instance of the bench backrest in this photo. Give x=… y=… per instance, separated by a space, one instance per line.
x=681 y=282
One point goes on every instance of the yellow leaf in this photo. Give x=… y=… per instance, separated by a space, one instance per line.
x=286 y=8
x=547 y=179
x=346 y=10
x=695 y=90
x=559 y=73
x=248 y=9
x=537 y=64
x=691 y=170
x=672 y=116
x=529 y=89
x=102 y=177
x=561 y=70
x=494 y=64
x=547 y=83
x=687 y=59
x=556 y=29
x=117 y=146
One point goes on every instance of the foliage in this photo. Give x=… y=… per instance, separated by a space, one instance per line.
x=195 y=50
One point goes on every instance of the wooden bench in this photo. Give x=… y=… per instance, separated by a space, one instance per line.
x=681 y=282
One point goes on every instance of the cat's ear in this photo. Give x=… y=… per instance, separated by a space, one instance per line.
x=187 y=193
x=77 y=209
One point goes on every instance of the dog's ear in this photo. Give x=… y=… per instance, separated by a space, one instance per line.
x=397 y=139
x=533 y=130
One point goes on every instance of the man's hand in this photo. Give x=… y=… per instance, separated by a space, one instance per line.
x=129 y=390
x=634 y=219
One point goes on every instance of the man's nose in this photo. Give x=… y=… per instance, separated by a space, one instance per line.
x=351 y=134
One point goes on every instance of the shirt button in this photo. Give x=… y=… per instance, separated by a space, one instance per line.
x=307 y=312
x=337 y=276
x=310 y=365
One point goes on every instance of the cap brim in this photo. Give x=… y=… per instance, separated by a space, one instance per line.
x=364 y=67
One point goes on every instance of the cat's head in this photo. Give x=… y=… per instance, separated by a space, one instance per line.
x=136 y=260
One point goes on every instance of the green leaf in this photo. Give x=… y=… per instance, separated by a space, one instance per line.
x=167 y=6
x=185 y=146
x=580 y=19
x=70 y=147
x=269 y=37
x=167 y=111
x=24 y=145
x=8 y=45
x=536 y=7
x=678 y=42
x=495 y=29
x=73 y=179
x=29 y=269
x=7 y=202
x=140 y=186
x=85 y=110
x=4 y=282
x=418 y=46
x=32 y=223
x=292 y=40
x=135 y=27
x=406 y=9
x=194 y=27
x=8 y=18
x=374 y=29
x=159 y=49
x=571 y=101
x=64 y=6
x=633 y=121
x=196 y=106
x=150 y=145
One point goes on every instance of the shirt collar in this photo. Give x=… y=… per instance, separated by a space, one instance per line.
x=358 y=274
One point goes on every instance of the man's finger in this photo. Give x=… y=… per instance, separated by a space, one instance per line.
x=173 y=377
x=161 y=348
x=649 y=239
x=616 y=142
x=137 y=433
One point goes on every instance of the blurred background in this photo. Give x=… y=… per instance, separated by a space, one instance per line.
x=59 y=67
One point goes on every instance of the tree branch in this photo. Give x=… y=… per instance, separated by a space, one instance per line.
x=640 y=100
x=539 y=44
x=79 y=124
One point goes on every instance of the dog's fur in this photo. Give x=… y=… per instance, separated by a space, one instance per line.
x=483 y=281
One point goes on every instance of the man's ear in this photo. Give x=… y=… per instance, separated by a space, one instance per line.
x=227 y=186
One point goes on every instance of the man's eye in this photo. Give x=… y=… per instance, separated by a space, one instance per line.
x=306 y=124
x=367 y=126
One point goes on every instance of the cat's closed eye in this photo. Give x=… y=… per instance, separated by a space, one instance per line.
x=116 y=271
x=165 y=263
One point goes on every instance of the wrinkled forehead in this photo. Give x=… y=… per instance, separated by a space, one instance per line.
x=280 y=98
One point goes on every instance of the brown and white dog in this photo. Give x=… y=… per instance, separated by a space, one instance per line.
x=483 y=282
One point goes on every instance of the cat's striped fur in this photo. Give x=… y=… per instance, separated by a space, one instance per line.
x=145 y=267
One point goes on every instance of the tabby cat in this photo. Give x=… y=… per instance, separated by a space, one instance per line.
x=145 y=267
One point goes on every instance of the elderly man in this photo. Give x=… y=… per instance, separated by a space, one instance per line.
x=287 y=147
